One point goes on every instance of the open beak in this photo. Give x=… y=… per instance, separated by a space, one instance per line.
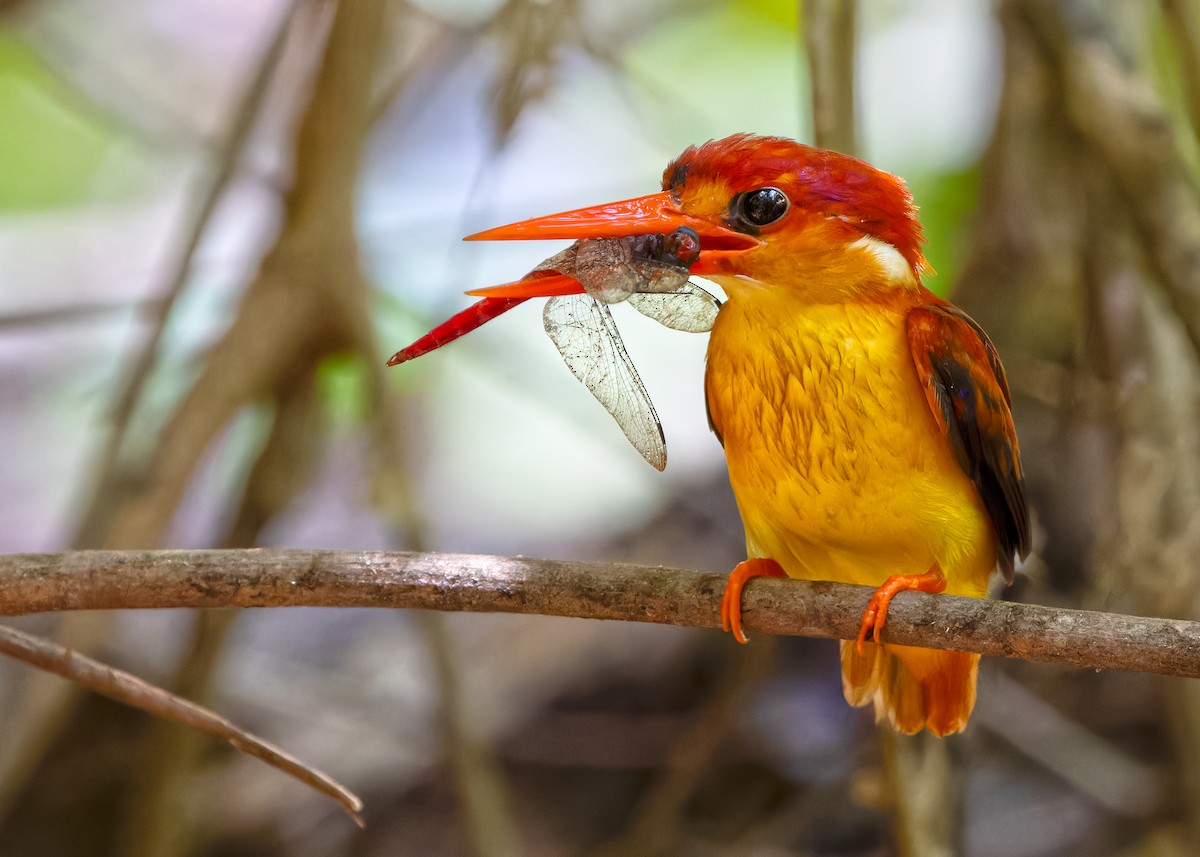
x=644 y=215
x=655 y=214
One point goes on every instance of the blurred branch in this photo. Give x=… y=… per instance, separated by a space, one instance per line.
x=829 y=30
x=108 y=580
x=657 y=825
x=530 y=35
x=1183 y=27
x=308 y=300
x=160 y=815
x=1123 y=784
x=446 y=46
x=97 y=518
x=1120 y=118
x=479 y=780
x=926 y=789
x=131 y=690
x=82 y=311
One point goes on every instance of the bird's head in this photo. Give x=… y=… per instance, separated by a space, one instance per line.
x=768 y=211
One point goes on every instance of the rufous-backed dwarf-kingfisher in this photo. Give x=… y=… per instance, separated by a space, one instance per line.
x=865 y=420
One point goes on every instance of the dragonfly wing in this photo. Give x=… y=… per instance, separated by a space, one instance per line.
x=585 y=334
x=689 y=308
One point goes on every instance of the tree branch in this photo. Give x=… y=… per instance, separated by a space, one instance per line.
x=131 y=690
x=829 y=37
x=1122 y=119
x=105 y=580
x=108 y=484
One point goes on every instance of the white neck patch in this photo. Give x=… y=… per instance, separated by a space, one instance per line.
x=891 y=263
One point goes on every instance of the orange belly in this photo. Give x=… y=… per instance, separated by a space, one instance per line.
x=839 y=469
x=841 y=473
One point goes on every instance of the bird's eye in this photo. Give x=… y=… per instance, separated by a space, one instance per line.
x=757 y=208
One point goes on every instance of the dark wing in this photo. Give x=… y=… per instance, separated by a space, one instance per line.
x=964 y=383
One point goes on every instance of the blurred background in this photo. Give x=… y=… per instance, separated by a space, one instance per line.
x=217 y=220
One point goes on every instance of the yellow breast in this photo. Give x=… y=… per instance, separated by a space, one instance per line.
x=839 y=470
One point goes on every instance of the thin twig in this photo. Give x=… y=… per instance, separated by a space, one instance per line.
x=80 y=312
x=445 y=47
x=1124 y=785
x=159 y=820
x=105 y=580
x=131 y=690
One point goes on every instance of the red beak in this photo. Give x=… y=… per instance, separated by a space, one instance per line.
x=644 y=215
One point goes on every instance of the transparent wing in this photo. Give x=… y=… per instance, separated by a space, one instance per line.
x=689 y=308
x=585 y=334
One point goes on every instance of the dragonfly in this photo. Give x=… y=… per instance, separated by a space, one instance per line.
x=649 y=272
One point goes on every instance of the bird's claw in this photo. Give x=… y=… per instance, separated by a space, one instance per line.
x=731 y=598
x=874 y=617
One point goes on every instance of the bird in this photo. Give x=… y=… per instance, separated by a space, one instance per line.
x=866 y=422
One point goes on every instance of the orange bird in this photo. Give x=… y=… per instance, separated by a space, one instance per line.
x=865 y=420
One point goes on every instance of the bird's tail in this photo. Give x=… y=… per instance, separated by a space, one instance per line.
x=913 y=689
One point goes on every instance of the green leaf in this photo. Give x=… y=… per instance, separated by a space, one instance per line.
x=342 y=386
x=949 y=203
x=52 y=151
x=725 y=69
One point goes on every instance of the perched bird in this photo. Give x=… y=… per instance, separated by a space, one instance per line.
x=865 y=420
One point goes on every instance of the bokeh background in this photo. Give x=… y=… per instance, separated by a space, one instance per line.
x=217 y=219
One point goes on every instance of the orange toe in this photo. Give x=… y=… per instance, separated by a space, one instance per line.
x=875 y=616
x=731 y=600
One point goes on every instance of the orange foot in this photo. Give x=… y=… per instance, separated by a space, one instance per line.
x=731 y=601
x=875 y=616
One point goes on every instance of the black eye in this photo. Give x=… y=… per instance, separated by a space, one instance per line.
x=760 y=207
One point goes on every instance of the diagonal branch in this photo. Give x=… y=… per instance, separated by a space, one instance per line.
x=105 y=580
x=131 y=690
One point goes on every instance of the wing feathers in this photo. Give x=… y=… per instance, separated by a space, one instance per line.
x=968 y=394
